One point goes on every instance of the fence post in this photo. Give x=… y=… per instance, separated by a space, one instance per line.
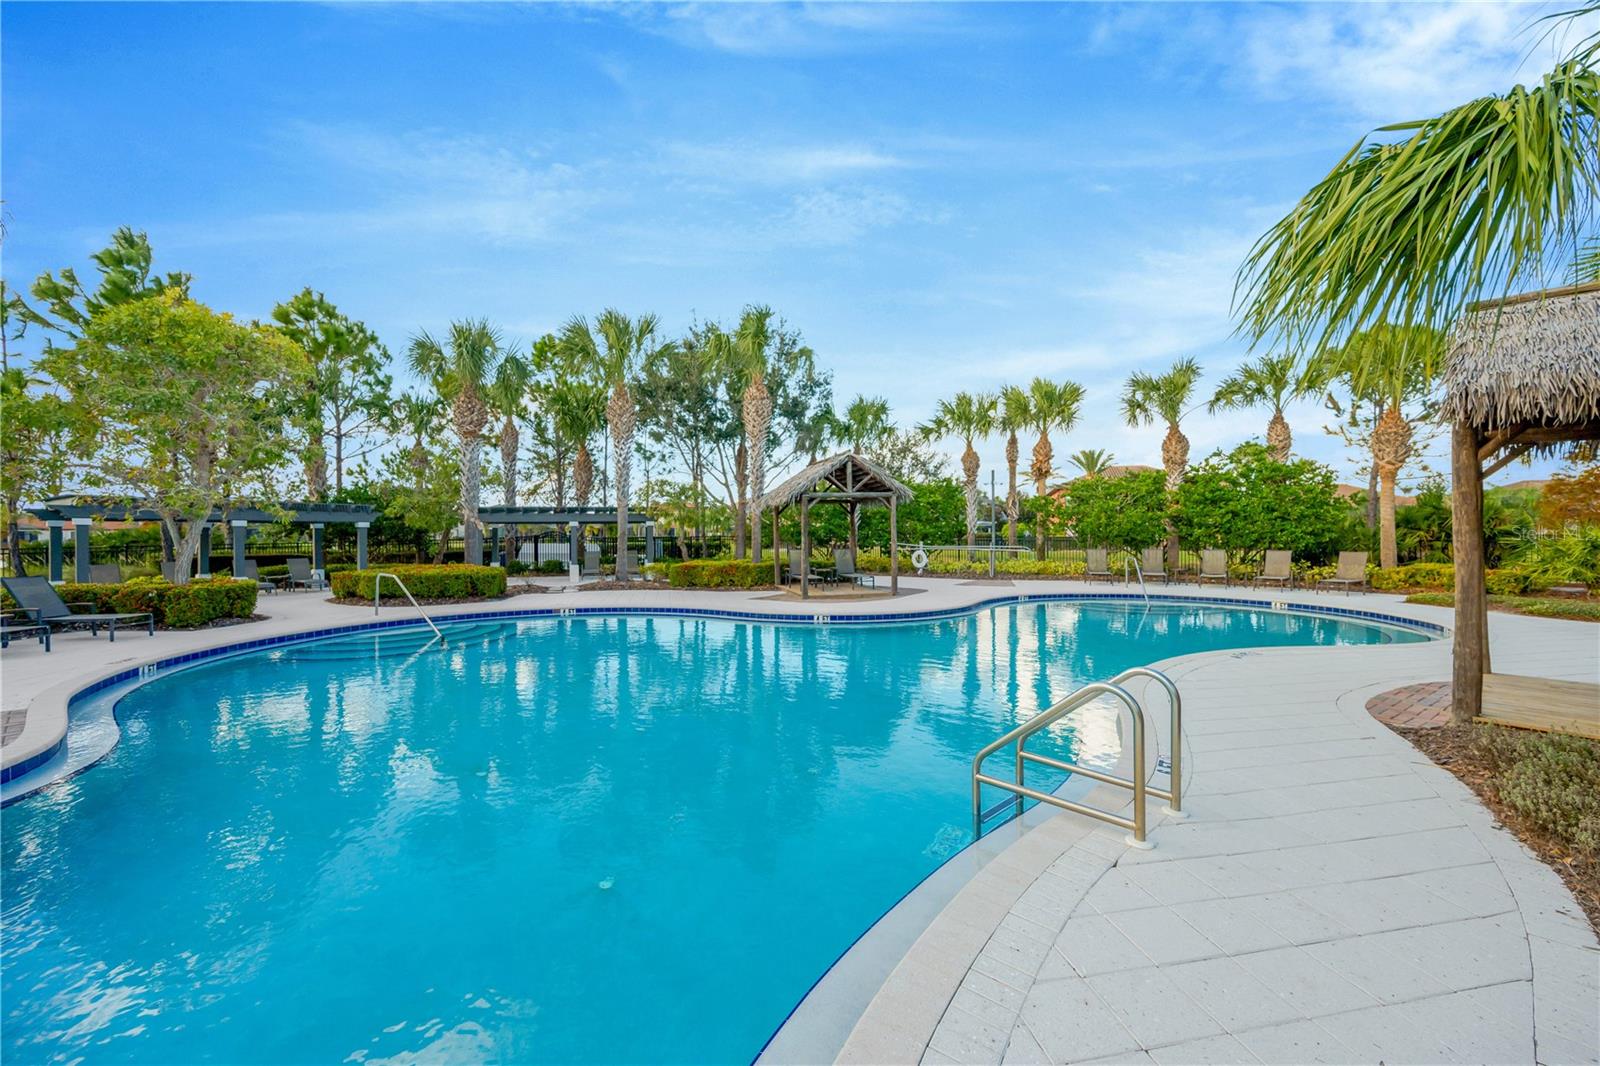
x=80 y=549
x=55 y=549
x=361 y=544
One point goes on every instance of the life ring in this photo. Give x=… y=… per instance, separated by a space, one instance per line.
x=919 y=559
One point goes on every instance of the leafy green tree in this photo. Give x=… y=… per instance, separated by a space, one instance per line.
x=67 y=306
x=1411 y=230
x=1270 y=381
x=460 y=369
x=1128 y=512
x=616 y=351
x=190 y=408
x=426 y=493
x=1247 y=502
x=349 y=395
x=32 y=456
x=681 y=407
x=1051 y=405
x=1148 y=397
x=970 y=417
x=910 y=457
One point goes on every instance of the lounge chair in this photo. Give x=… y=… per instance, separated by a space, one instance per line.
x=15 y=624
x=591 y=561
x=798 y=565
x=1097 y=565
x=844 y=565
x=1153 y=564
x=105 y=574
x=36 y=596
x=1277 y=569
x=302 y=576
x=252 y=572
x=1213 y=566
x=1352 y=571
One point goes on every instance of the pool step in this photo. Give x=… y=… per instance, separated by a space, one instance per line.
x=388 y=643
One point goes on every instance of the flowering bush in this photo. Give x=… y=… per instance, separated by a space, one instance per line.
x=427 y=581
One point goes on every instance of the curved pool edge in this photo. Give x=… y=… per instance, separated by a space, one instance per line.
x=34 y=760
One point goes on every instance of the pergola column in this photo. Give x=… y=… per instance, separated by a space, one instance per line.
x=55 y=525
x=80 y=549
x=240 y=532
x=574 y=550
x=318 y=551
x=494 y=547
x=805 y=547
x=205 y=550
x=777 y=550
x=1471 y=652
x=651 y=554
x=361 y=544
x=894 y=548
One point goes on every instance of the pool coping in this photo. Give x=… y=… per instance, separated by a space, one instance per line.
x=49 y=713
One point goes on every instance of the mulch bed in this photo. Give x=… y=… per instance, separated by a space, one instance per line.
x=215 y=623
x=390 y=601
x=1452 y=748
x=661 y=586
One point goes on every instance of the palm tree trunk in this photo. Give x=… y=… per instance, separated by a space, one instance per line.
x=1391 y=446
x=1012 y=501
x=620 y=413
x=1279 y=439
x=969 y=468
x=1388 y=549
x=1043 y=457
x=471 y=489
x=757 y=405
x=582 y=474
x=1175 y=459
x=740 y=466
x=508 y=460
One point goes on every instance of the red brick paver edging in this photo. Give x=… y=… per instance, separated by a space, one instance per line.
x=1425 y=706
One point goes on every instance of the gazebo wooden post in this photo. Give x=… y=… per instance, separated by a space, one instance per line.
x=805 y=547
x=777 y=549
x=894 y=549
x=1471 y=653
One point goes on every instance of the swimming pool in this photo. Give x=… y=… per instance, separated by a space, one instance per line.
x=600 y=838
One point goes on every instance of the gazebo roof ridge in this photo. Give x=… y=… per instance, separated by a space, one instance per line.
x=850 y=473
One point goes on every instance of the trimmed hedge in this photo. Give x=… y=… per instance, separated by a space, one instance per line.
x=175 y=606
x=719 y=574
x=282 y=570
x=427 y=581
x=1442 y=577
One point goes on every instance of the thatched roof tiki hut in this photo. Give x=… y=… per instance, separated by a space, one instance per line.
x=1523 y=375
x=847 y=479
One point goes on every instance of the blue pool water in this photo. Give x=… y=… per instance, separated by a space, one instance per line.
x=590 y=839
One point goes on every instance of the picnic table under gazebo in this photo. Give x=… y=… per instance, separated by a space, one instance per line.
x=848 y=480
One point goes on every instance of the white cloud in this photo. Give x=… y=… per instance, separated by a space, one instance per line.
x=749 y=161
x=766 y=29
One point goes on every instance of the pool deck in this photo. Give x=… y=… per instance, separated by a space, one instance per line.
x=1334 y=897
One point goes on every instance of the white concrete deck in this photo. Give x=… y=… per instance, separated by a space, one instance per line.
x=1335 y=898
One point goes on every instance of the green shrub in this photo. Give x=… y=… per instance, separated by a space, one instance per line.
x=656 y=571
x=1538 y=607
x=516 y=568
x=1570 y=559
x=552 y=566
x=1549 y=779
x=719 y=574
x=427 y=581
x=1413 y=576
x=175 y=606
x=1507 y=582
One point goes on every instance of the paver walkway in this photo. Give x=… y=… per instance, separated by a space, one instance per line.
x=1336 y=897
x=1425 y=706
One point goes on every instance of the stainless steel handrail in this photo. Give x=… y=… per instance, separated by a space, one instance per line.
x=1138 y=569
x=377 y=588
x=1138 y=784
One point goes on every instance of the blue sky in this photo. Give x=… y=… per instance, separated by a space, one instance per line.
x=940 y=197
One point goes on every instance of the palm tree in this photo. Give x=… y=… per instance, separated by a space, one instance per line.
x=1051 y=405
x=616 y=350
x=460 y=370
x=417 y=415
x=578 y=409
x=1092 y=461
x=1387 y=367
x=1016 y=414
x=1411 y=231
x=751 y=342
x=863 y=424
x=1148 y=397
x=971 y=418
x=508 y=399
x=1270 y=381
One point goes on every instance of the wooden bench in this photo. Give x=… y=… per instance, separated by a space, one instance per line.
x=1542 y=704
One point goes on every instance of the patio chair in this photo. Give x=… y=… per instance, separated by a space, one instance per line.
x=252 y=572
x=1277 y=569
x=1352 y=571
x=1213 y=566
x=105 y=573
x=844 y=565
x=302 y=576
x=1098 y=565
x=36 y=596
x=1153 y=563
x=15 y=624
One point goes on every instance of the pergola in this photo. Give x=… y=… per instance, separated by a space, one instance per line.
x=80 y=512
x=570 y=519
x=1523 y=376
x=846 y=479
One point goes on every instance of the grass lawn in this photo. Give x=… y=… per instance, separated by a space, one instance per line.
x=1538 y=606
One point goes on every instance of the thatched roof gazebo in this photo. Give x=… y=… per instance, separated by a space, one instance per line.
x=1523 y=375
x=848 y=479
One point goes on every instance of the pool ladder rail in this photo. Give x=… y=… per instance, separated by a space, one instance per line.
x=1138 y=784
x=377 y=589
x=1138 y=570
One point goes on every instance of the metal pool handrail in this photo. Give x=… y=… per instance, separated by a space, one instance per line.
x=1138 y=784
x=1137 y=569
x=377 y=587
